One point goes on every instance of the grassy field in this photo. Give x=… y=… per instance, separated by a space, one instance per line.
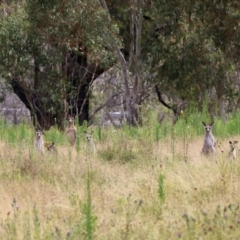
x=143 y=183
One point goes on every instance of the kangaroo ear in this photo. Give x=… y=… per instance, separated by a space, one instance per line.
x=211 y=123
x=204 y=123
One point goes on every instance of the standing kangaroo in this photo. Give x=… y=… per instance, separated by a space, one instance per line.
x=71 y=131
x=39 y=142
x=90 y=145
x=209 y=140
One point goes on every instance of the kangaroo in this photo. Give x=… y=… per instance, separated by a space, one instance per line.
x=39 y=141
x=50 y=147
x=90 y=145
x=233 y=149
x=71 y=131
x=209 y=140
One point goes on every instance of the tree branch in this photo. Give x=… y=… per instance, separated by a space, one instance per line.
x=103 y=105
x=162 y=101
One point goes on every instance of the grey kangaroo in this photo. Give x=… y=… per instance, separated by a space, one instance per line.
x=71 y=131
x=39 y=141
x=90 y=145
x=209 y=140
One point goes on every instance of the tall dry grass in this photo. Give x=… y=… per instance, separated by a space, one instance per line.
x=142 y=183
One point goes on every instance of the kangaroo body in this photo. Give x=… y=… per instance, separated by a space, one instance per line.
x=90 y=145
x=233 y=150
x=71 y=131
x=209 y=140
x=39 y=142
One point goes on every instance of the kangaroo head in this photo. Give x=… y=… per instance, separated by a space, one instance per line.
x=88 y=135
x=70 y=119
x=208 y=127
x=39 y=134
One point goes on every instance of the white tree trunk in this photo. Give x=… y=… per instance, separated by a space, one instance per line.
x=132 y=98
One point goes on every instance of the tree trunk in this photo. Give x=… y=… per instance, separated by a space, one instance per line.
x=81 y=75
x=221 y=106
x=132 y=93
x=53 y=113
x=41 y=117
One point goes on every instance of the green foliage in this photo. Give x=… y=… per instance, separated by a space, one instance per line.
x=86 y=226
x=36 y=224
x=161 y=188
x=123 y=155
x=189 y=47
x=99 y=133
x=53 y=135
x=189 y=51
x=131 y=212
x=109 y=154
x=89 y=220
x=35 y=40
x=14 y=60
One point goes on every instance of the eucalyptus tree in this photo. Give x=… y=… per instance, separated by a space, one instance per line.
x=222 y=19
x=129 y=15
x=52 y=51
x=50 y=54
x=194 y=49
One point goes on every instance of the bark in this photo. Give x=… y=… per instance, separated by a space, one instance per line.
x=32 y=100
x=137 y=22
x=132 y=94
x=220 y=91
x=77 y=104
x=127 y=95
x=81 y=75
x=221 y=106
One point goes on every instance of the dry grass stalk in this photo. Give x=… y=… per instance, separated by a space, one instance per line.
x=51 y=185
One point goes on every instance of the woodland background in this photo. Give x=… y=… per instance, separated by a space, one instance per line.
x=144 y=60
x=51 y=52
